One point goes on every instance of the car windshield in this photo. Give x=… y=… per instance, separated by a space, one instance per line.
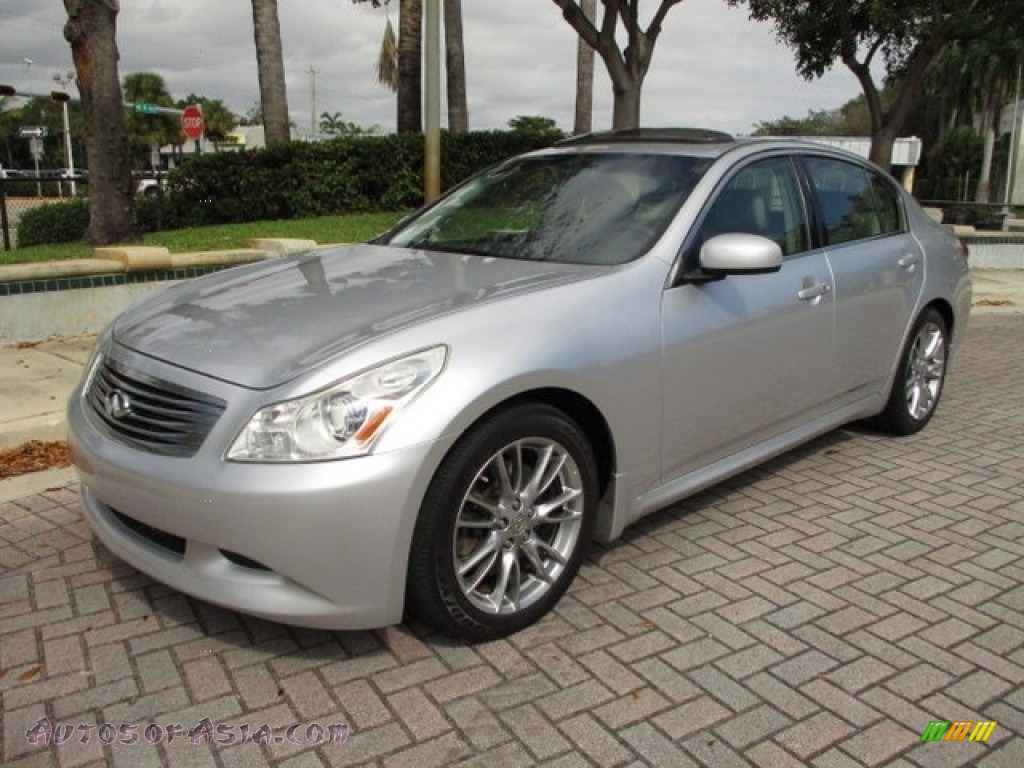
x=579 y=208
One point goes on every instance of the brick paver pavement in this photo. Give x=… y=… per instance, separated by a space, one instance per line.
x=820 y=610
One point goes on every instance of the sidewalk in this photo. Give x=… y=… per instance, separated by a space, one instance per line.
x=38 y=377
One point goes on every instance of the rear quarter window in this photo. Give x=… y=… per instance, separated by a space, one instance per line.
x=855 y=203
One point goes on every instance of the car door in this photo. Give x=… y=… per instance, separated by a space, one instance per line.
x=749 y=356
x=878 y=268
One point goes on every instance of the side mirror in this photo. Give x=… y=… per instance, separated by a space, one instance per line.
x=740 y=254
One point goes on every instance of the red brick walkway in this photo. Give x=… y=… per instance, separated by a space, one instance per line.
x=821 y=610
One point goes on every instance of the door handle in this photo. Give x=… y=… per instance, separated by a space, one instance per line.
x=909 y=261
x=815 y=291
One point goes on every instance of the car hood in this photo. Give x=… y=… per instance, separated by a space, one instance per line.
x=263 y=325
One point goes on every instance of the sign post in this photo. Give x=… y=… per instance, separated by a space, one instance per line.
x=35 y=135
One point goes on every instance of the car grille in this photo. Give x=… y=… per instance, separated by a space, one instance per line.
x=151 y=414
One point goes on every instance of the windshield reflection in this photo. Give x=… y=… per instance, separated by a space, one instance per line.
x=586 y=208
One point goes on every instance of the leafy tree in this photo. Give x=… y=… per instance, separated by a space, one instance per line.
x=627 y=65
x=336 y=127
x=973 y=81
x=535 y=125
x=851 y=119
x=908 y=36
x=252 y=116
x=91 y=31
x=270 y=61
x=148 y=131
x=43 y=112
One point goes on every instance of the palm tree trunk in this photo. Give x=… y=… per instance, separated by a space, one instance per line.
x=270 y=61
x=410 y=66
x=455 y=67
x=584 y=121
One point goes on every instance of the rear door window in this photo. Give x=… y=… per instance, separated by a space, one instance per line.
x=854 y=203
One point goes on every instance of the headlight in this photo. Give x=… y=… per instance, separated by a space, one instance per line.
x=342 y=421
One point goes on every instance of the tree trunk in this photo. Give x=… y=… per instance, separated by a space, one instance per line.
x=584 y=122
x=882 y=141
x=455 y=67
x=270 y=61
x=626 y=106
x=990 y=120
x=410 y=66
x=92 y=32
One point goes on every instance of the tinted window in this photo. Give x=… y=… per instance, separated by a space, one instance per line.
x=583 y=208
x=854 y=203
x=890 y=209
x=763 y=199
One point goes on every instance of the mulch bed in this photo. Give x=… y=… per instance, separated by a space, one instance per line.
x=34 y=457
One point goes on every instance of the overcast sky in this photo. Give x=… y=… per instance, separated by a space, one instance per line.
x=712 y=67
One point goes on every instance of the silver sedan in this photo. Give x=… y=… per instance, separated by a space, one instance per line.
x=440 y=421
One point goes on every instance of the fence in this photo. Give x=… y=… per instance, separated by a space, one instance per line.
x=28 y=190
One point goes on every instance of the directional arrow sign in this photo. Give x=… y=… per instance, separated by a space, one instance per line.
x=33 y=132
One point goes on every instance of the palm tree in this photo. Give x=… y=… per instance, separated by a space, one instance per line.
x=410 y=66
x=585 y=76
x=455 y=67
x=975 y=79
x=148 y=131
x=401 y=69
x=270 y=60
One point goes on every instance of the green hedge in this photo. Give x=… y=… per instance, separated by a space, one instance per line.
x=349 y=175
x=57 y=223
x=365 y=174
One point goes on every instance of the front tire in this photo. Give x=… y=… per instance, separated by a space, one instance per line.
x=504 y=525
x=919 y=379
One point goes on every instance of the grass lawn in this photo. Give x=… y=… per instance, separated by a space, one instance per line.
x=327 y=229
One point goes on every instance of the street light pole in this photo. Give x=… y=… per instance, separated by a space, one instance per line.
x=432 y=99
x=68 y=156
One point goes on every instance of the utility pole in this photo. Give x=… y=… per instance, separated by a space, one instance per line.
x=63 y=97
x=313 y=72
x=432 y=99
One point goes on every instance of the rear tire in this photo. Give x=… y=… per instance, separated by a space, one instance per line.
x=921 y=374
x=504 y=525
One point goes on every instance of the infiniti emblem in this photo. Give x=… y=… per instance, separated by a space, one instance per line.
x=117 y=405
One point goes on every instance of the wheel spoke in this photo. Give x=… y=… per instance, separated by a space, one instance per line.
x=529 y=548
x=545 y=510
x=507 y=586
x=487 y=550
x=545 y=471
x=508 y=485
x=552 y=553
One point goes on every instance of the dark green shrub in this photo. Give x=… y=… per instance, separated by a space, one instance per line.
x=359 y=174
x=356 y=174
x=54 y=223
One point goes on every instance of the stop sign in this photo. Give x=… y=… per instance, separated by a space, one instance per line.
x=192 y=121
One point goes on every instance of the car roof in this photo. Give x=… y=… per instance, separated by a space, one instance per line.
x=696 y=142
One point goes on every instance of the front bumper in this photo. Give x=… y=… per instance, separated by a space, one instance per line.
x=321 y=545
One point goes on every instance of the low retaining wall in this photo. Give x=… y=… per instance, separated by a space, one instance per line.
x=69 y=298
